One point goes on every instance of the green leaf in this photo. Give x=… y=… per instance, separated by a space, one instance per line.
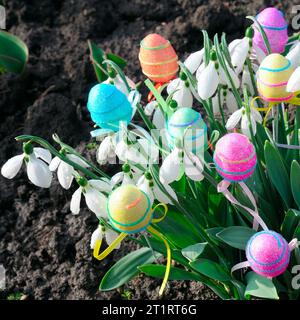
x=194 y=251
x=290 y=223
x=260 y=287
x=278 y=173
x=125 y=269
x=117 y=59
x=236 y=237
x=13 y=53
x=97 y=57
x=158 y=271
x=210 y=269
x=295 y=181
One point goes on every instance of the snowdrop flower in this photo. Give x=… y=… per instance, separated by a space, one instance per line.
x=241 y=114
x=227 y=98
x=106 y=150
x=293 y=84
x=147 y=184
x=294 y=55
x=65 y=172
x=158 y=118
x=116 y=80
x=194 y=61
x=101 y=231
x=181 y=92
x=179 y=162
x=246 y=78
x=211 y=76
x=94 y=197
x=128 y=175
x=35 y=159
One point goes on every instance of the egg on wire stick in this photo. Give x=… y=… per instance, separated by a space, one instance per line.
x=129 y=212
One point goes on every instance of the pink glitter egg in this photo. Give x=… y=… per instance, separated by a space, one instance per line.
x=268 y=253
x=275 y=27
x=235 y=157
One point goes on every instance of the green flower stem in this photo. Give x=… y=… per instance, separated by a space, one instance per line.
x=221 y=108
x=56 y=153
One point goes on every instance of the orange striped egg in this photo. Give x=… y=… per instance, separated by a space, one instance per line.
x=272 y=77
x=158 y=58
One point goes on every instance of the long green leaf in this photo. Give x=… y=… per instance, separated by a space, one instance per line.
x=194 y=251
x=13 y=53
x=125 y=269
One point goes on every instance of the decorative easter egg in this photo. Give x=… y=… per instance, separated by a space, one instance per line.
x=187 y=124
x=275 y=27
x=235 y=157
x=268 y=253
x=272 y=77
x=158 y=58
x=108 y=106
x=129 y=209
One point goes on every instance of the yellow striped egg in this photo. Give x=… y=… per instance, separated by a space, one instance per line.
x=272 y=77
x=129 y=209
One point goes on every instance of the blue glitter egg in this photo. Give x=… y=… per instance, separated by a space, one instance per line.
x=108 y=106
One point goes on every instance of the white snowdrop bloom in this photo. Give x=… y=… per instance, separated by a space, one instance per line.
x=95 y=200
x=246 y=78
x=294 y=55
x=293 y=84
x=181 y=93
x=241 y=115
x=179 y=162
x=128 y=175
x=258 y=53
x=109 y=235
x=239 y=50
x=194 y=61
x=36 y=160
x=119 y=83
x=148 y=185
x=106 y=150
x=158 y=117
x=65 y=172
x=226 y=98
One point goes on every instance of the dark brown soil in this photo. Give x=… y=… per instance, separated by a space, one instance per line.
x=44 y=248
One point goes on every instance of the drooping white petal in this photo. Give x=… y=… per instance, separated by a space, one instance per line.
x=231 y=102
x=234 y=119
x=259 y=53
x=239 y=54
x=245 y=126
x=143 y=184
x=65 y=175
x=12 y=166
x=183 y=97
x=101 y=185
x=174 y=85
x=38 y=172
x=119 y=83
x=54 y=163
x=294 y=55
x=43 y=154
x=75 y=201
x=224 y=79
x=150 y=107
x=255 y=114
x=162 y=197
x=96 y=236
x=158 y=119
x=127 y=152
x=293 y=84
x=117 y=178
x=199 y=70
x=194 y=60
x=110 y=237
x=127 y=179
x=77 y=160
x=233 y=44
x=149 y=148
x=208 y=81
x=193 y=167
x=170 y=169
x=104 y=150
x=96 y=202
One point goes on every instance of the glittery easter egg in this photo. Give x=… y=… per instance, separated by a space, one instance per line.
x=158 y=58
x=272 y=77
x=268 y=253
x=187 y=124
x=235 y=157
x=129 y=209
x=108 y=106
x=275 y=27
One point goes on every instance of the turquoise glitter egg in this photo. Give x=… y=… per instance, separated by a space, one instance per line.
x=186 y=125
x=108 y=106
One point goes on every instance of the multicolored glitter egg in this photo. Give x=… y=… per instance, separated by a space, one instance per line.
x=108 y=106
x=275 y=27
x=129 y=209
x=187 y=124
x=272 y=77
x=158 y=58
x=235 y=157
x=268 y=253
